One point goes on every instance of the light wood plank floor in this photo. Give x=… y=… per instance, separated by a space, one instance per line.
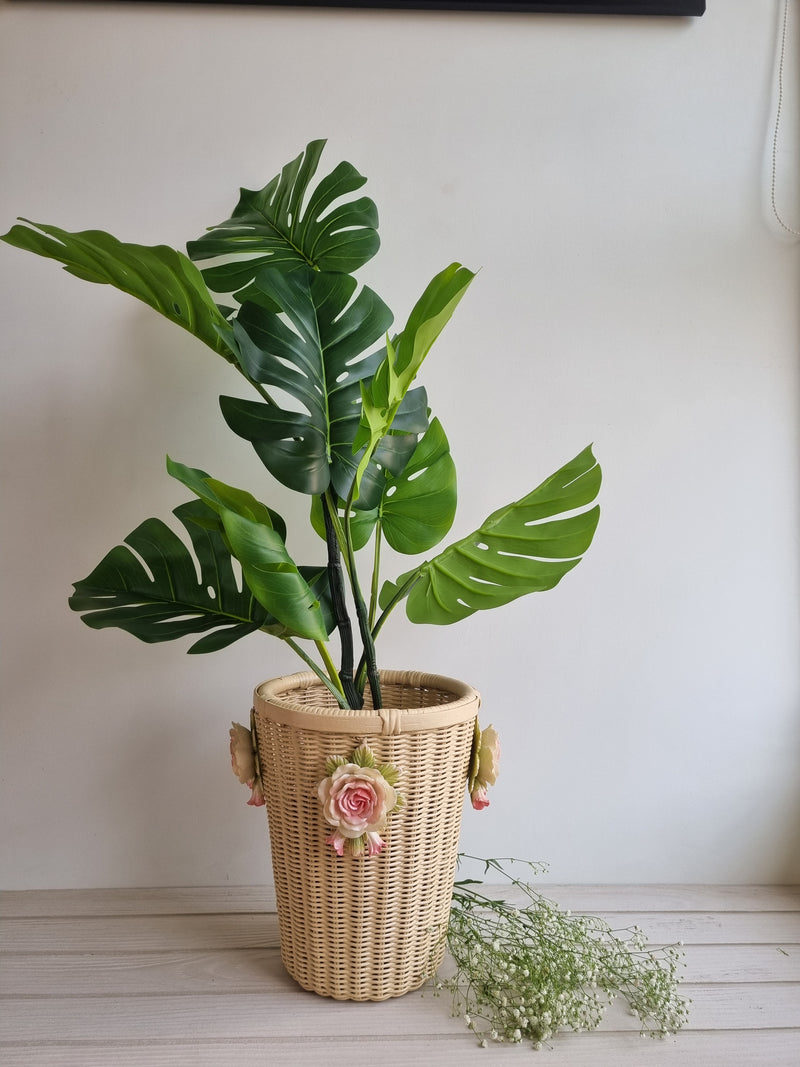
x=174 y=977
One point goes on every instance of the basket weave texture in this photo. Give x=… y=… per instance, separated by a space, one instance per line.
x=365 y=928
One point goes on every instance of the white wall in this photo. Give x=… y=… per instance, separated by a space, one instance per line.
x=608 y=175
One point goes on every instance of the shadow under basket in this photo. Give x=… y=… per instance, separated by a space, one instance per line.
x=365 y=927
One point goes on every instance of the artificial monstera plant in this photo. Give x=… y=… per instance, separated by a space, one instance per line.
x=335 y=415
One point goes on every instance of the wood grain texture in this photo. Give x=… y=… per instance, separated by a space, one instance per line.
x=174 y=977
x=180 y=900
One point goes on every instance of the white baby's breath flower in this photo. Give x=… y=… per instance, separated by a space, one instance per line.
x=524 y=973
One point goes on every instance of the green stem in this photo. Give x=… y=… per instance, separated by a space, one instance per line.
x=376 y=567
x=261 y=391
x=401 y=594
x=326 y=681
x=361 y=613
x=333 y=515
x=403 y=591
x=336 y=584
x=330 y=666
x=259 y=388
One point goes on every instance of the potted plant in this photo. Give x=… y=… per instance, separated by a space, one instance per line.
x=363 y=769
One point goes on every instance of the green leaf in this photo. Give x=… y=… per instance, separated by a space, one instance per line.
x=513 y=553
x=159 y=276
x=332 y=763
x=270 y=226
x=363 y=756
x=316 y=577
x=362 y=523
x=419 y=505
x=390 y=773
x=316 y=359
x=273 y=576
x=428 y=318
x=149 y=586
x=217 y=495
x=383 y=394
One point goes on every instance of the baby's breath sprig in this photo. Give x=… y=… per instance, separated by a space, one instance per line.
x=524 y=971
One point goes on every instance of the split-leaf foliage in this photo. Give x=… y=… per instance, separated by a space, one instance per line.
x=336 y=415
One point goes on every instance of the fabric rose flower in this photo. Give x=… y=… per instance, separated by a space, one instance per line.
x=243 y=763
x=357 y=798
x=484 y=765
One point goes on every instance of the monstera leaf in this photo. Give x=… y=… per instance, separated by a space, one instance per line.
x=218 y=496
x=256 y=536
x=513 y=553
x=315 y=358
x=419 y=505
x=362 y=523
x=273 y=576
x=384 y=394
x=150 y=588
x=271 y=227
x=157 y=275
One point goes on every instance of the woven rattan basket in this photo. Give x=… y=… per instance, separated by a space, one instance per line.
x=365 y=928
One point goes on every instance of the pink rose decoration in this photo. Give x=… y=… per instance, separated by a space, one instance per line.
x=375 y=845
x=337 y=842
x=485 y=765
x=243 y=763
x=257 y=795
x=357 y=798
x=488 y=756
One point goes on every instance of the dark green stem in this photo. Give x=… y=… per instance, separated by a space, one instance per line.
x=376 y=567
x=402 y=592
x=368 y=656
x=326 y=681
x=341 y=615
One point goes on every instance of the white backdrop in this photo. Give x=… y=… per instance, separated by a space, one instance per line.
x=609 y=176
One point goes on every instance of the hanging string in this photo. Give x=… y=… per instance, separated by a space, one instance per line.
x=778 y=110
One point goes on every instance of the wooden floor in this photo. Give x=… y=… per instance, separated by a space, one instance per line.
x=174 y=977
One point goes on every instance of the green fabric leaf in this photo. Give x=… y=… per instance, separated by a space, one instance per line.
x=383 y=394
x=271 y=227
x=332 y=763
x=159 y=276
x=362 y=523
x=513 y=553
x=149 y=586
x=316 y=578
x=391 y=455
x=217 y=495
x=419 y=505
x=390 y=773
x=363 y=756
x=273 y=576
x=316 y=359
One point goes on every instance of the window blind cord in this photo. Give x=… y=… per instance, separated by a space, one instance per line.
x=778 y=110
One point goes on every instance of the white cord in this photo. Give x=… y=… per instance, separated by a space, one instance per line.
x=778 y=110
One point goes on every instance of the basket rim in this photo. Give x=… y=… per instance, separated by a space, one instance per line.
x=270 y=700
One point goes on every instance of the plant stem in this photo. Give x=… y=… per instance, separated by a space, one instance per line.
x=341 y=615
x=376 y=566
x=404 y=589
x=261 y=391
x=401 y=593
x=326 y=681
x=367 y=641
x=330 y=666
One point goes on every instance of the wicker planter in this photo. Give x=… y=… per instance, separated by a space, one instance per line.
x=365 y=928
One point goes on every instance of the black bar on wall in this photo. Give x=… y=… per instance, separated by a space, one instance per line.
x=566 y=7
